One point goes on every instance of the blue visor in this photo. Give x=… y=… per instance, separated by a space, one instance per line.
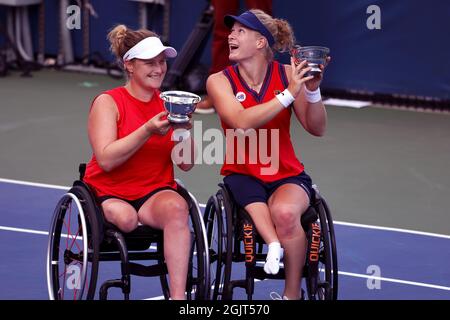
x=249 y=20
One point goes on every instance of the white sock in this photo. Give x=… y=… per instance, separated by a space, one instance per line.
x=274 y=254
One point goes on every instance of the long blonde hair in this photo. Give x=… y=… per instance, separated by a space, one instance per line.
x=281 y=31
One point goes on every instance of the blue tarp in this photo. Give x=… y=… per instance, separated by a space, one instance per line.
x=409 y=55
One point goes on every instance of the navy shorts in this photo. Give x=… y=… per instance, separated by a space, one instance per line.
x=137 y=203
x=247 y=189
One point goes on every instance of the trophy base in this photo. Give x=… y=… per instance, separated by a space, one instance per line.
x=177 y=118
x=314 y=71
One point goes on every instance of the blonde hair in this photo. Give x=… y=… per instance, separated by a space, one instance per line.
x=280 y=29
x=122 y=39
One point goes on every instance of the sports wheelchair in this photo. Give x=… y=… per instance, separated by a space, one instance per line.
x=80 y=238
x=232 y=237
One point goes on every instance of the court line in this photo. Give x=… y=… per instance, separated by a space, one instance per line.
x=367 y=226
x=411 y=283
x=34 y=184
x=344 y=273
x=348 y=224
x=44 y=233
x=357 y=275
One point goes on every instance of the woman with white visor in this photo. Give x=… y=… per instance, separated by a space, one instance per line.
x=131 y=170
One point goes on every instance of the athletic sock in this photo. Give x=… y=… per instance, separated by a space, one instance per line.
x=272 y=265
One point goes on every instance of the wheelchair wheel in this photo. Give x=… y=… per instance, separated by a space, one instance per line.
x=219 y=234
x=198 y=271
x=334 y=261
x=325 y=287
x=73 y=247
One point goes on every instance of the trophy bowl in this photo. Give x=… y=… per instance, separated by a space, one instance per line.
x=315 y=56
x=179 y=104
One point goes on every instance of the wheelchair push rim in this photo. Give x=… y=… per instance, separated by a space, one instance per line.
x=325 y=286
x=71 y=273
x=198 y=270
x=219 y=228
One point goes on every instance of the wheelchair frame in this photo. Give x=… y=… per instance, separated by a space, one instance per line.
x=230 y=228
x=105 y=242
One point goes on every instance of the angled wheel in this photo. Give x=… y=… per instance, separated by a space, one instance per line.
x=198 y=271
x=334 y=261
x=324 y=287
x=73 y=247
x=219 y=234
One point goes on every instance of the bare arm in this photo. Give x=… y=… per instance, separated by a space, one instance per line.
x=235 y=115
x=102 y=130
x=232 y=112
x=312 y=116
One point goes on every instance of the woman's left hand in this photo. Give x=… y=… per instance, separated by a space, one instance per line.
x=314 y=83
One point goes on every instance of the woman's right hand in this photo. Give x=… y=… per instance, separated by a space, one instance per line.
x=298 y=76
x=158 y=125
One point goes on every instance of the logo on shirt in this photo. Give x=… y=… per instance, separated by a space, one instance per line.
x=240 y=96
x=275 y=92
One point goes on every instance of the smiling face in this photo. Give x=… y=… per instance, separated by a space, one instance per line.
x=148 y=74
x=244 y=43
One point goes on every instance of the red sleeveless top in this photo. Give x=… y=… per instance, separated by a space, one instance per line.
x=270 y=156
x=150 y=167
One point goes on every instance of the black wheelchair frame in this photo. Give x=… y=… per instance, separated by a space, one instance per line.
x=93 y=239
x=232 y=237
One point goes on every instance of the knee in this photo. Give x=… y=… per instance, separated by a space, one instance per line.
x=286 y=219
x=178 y=213
x=126 y=222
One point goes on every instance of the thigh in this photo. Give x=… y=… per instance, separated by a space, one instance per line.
x=115 y=210
x=246 y=190
x=163 y=207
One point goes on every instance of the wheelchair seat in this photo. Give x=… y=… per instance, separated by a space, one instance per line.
x=80 y=238
x=233 y=238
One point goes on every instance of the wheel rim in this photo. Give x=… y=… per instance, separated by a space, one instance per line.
x=198 y=272
x=216 y=247
x=325 y=276
x=68 y=266
x=335 y=270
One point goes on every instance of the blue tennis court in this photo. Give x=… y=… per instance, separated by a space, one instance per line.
x=374 y=262
x=382 y=165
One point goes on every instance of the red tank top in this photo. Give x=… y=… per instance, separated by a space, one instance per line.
x=150 y=167
x=275 y=156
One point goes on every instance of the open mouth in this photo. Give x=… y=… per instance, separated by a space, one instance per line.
x=233 y=47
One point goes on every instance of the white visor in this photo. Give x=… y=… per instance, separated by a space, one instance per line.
x=149 y=48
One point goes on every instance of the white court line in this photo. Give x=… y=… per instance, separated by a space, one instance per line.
x=155 y=298
x=357 y=275
x=34 y=184
x=411 y=283
x=348 y=224
x=350 y=274
x=344 y=273
x=44 y=233
x=347 y=103
x=367 y=226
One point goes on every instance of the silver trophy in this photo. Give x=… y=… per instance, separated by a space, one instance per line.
x=315 y=56
x=179 y=104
